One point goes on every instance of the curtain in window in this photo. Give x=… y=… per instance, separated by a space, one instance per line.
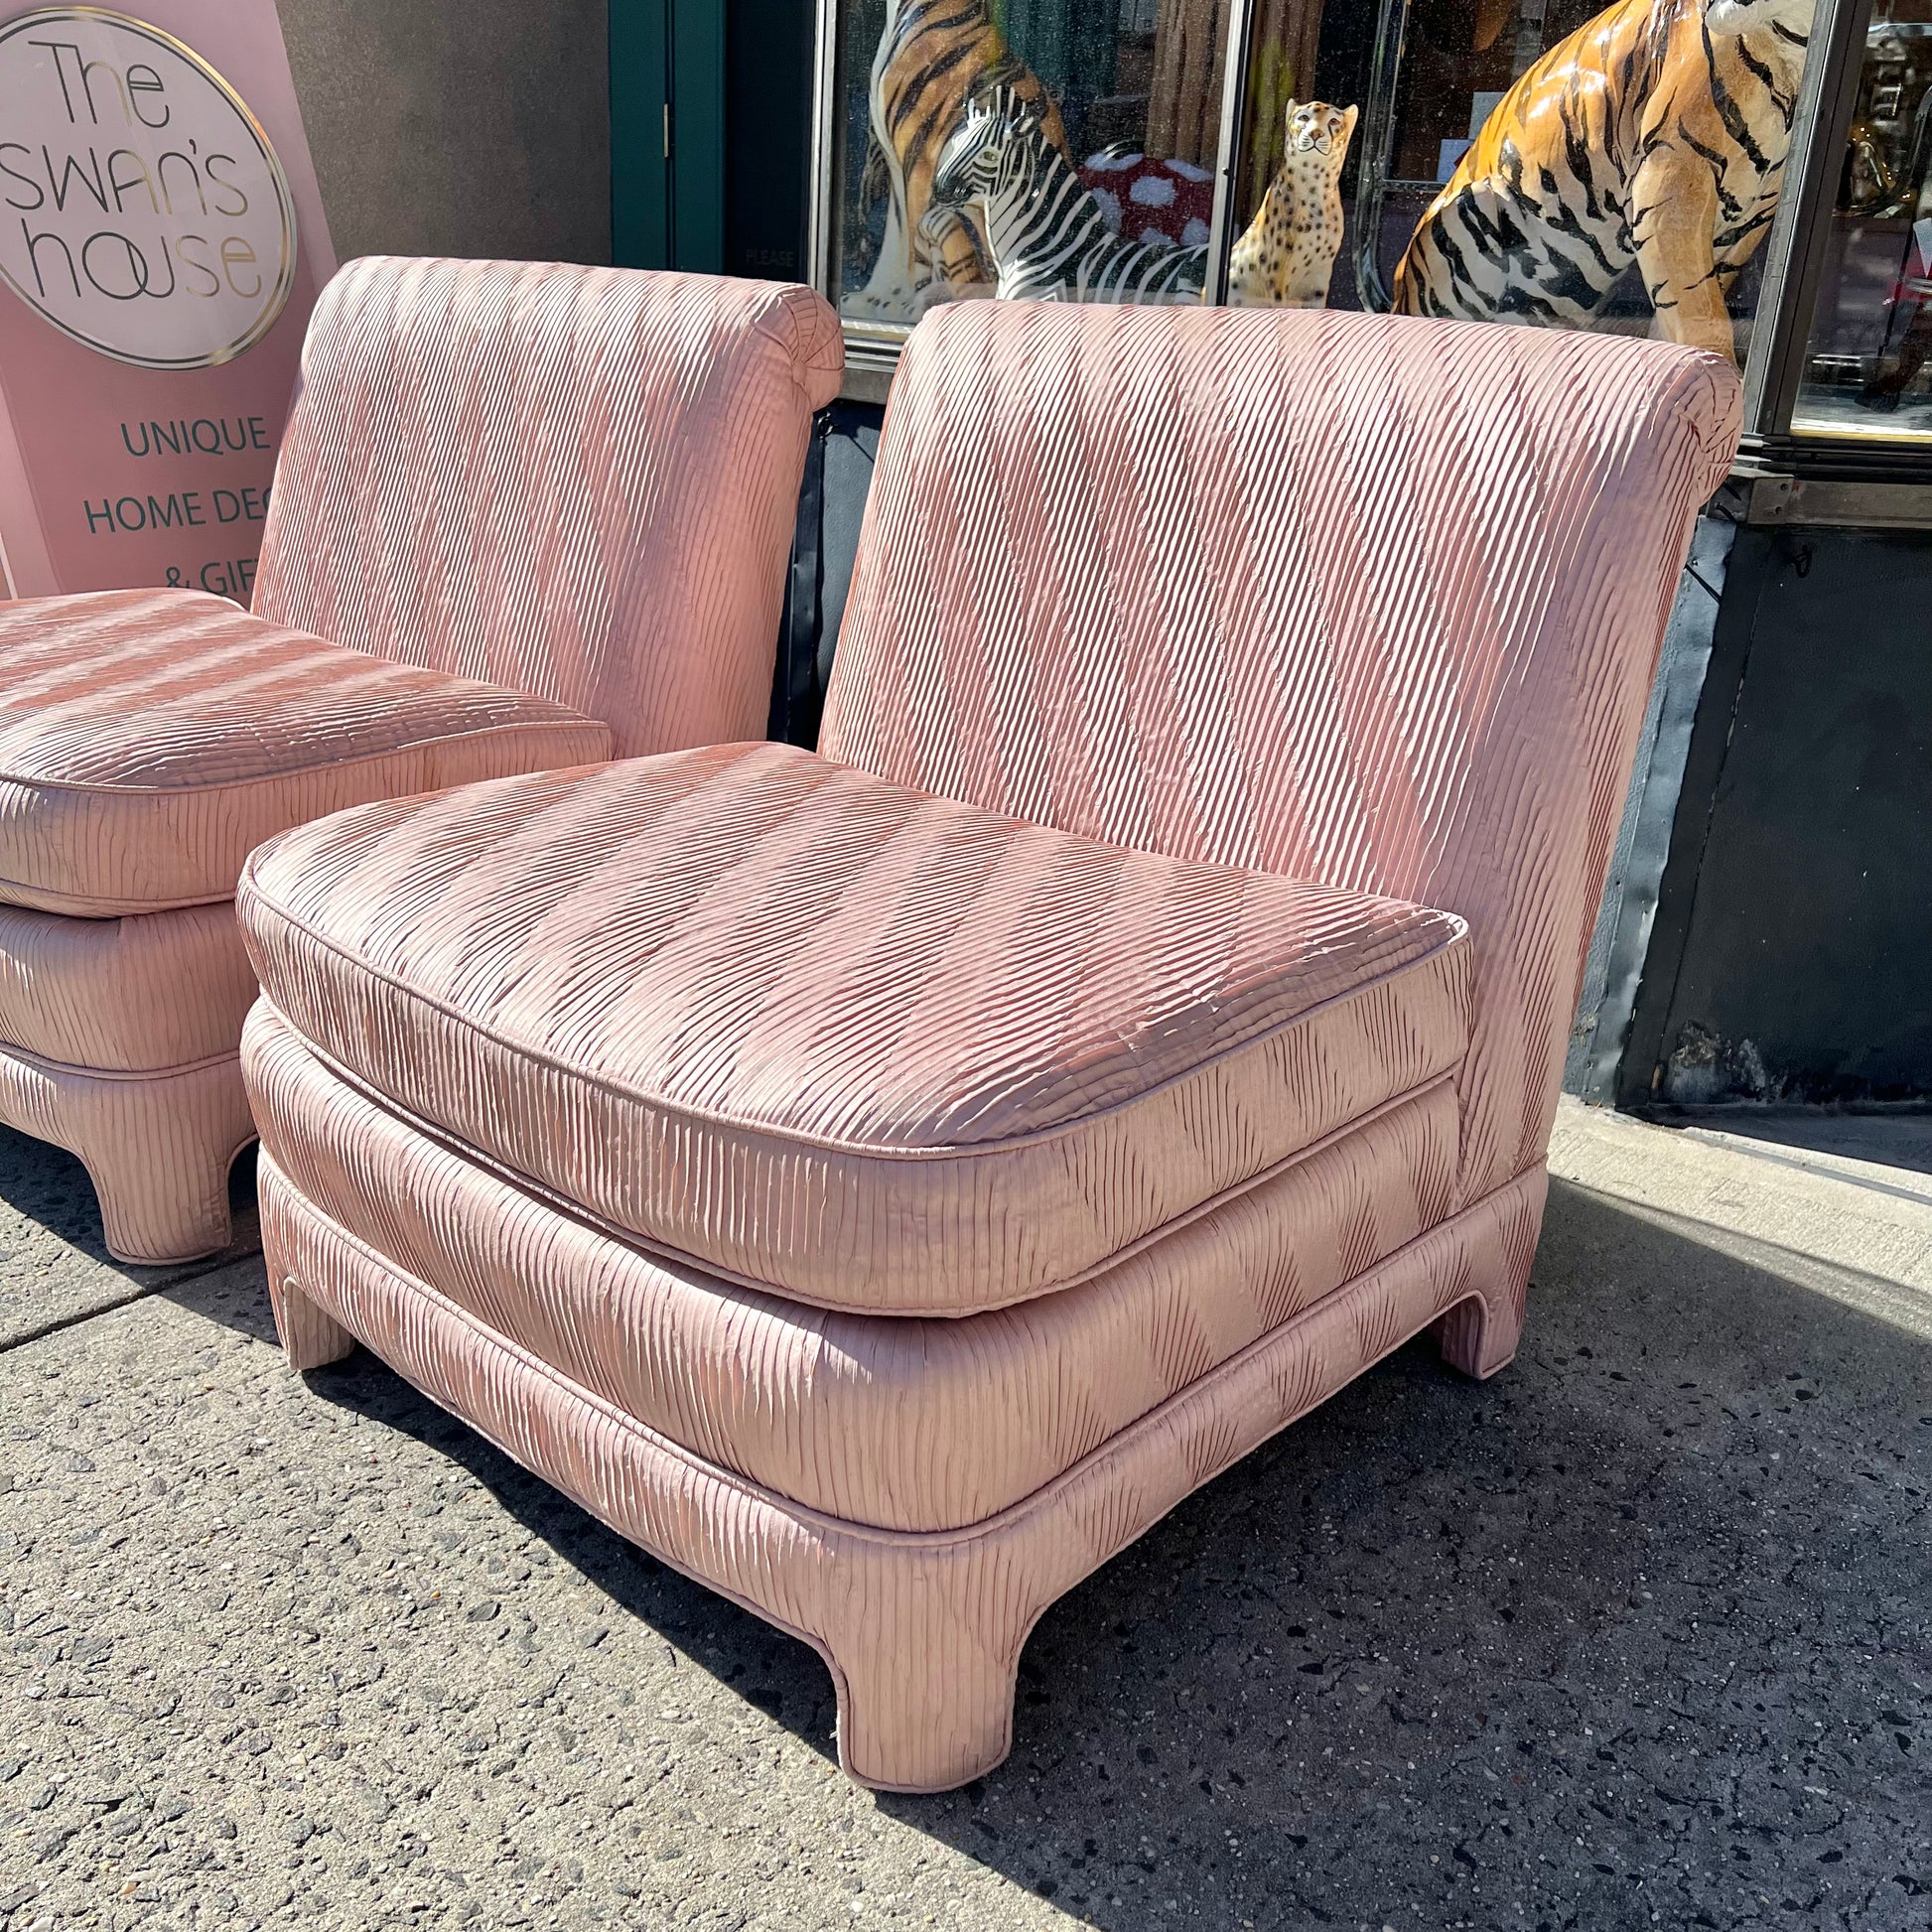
x=1189 y=56
x=1286 y=35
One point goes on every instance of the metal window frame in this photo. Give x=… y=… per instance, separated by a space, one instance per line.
x=1227 y=158
x=1372 y=161
x=1795 y=249
x=818 y=240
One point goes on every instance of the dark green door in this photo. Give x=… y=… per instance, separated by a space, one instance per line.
x=667 y=134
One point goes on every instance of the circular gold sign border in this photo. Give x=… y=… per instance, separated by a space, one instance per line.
x=55 y=15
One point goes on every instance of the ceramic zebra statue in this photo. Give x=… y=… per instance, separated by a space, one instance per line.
x=932 y=56
x=1048 y=237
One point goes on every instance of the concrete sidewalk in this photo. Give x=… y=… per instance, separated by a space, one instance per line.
x=1635 y=1635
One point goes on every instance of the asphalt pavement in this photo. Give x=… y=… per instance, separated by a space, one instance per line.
x=1637 y=1634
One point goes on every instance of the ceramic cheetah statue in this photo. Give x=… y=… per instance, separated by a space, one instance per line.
x=1285 y=259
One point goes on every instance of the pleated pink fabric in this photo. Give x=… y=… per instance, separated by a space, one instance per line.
x=124 y=996
x=576 y=481
x=883 y=1421
x=868 y=1048
x=1366 y=601
x=150 y=739
x=522 y=511
x=1161 y=976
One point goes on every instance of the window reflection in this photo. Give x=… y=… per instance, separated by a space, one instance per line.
x=1606 y=169
x=1057 y=149
x=1545 y=162
x=1866 y=373
x=1542 y=161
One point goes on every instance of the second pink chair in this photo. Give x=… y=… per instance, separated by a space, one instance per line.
x=524 y=515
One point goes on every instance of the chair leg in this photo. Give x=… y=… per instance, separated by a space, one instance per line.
x=923 y=1709
x=163 y=1184
x=310 y=1337
x=157 y=1147
x=1480 y=1336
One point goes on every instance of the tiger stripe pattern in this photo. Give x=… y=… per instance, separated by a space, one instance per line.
x=1655 y=134
x=1048 y=236
x=932 y=56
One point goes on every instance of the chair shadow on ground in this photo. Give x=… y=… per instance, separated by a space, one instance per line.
x=1555 y=1650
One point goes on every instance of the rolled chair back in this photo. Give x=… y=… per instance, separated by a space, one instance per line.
x=579 y=483
x=1364 y=600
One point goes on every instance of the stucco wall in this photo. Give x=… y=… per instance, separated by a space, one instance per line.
x=457 y=127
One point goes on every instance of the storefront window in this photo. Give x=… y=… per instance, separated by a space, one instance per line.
x=1869 y=364
x=1521 y=160
x=1544 y=162
x=1058 y=149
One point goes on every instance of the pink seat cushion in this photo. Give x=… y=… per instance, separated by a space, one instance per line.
x=148 y=738
x=907 y=1424
x=831 y=1037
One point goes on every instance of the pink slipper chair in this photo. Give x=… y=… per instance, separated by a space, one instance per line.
x=537 y=512
x=883 y=1183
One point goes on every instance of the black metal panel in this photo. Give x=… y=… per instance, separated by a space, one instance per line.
x=825 y=545
x=1792 y=952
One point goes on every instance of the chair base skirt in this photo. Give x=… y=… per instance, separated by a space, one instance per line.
x=922 y=1631
x=157 y=1147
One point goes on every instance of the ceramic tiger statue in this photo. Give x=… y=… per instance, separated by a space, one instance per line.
x=1287 y=255
x=1656 y=134
x=1048 y=240
x=931 y=57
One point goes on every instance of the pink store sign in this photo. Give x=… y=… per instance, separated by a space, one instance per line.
x=161 y=244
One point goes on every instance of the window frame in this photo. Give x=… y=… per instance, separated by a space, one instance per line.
x=1795 y=249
